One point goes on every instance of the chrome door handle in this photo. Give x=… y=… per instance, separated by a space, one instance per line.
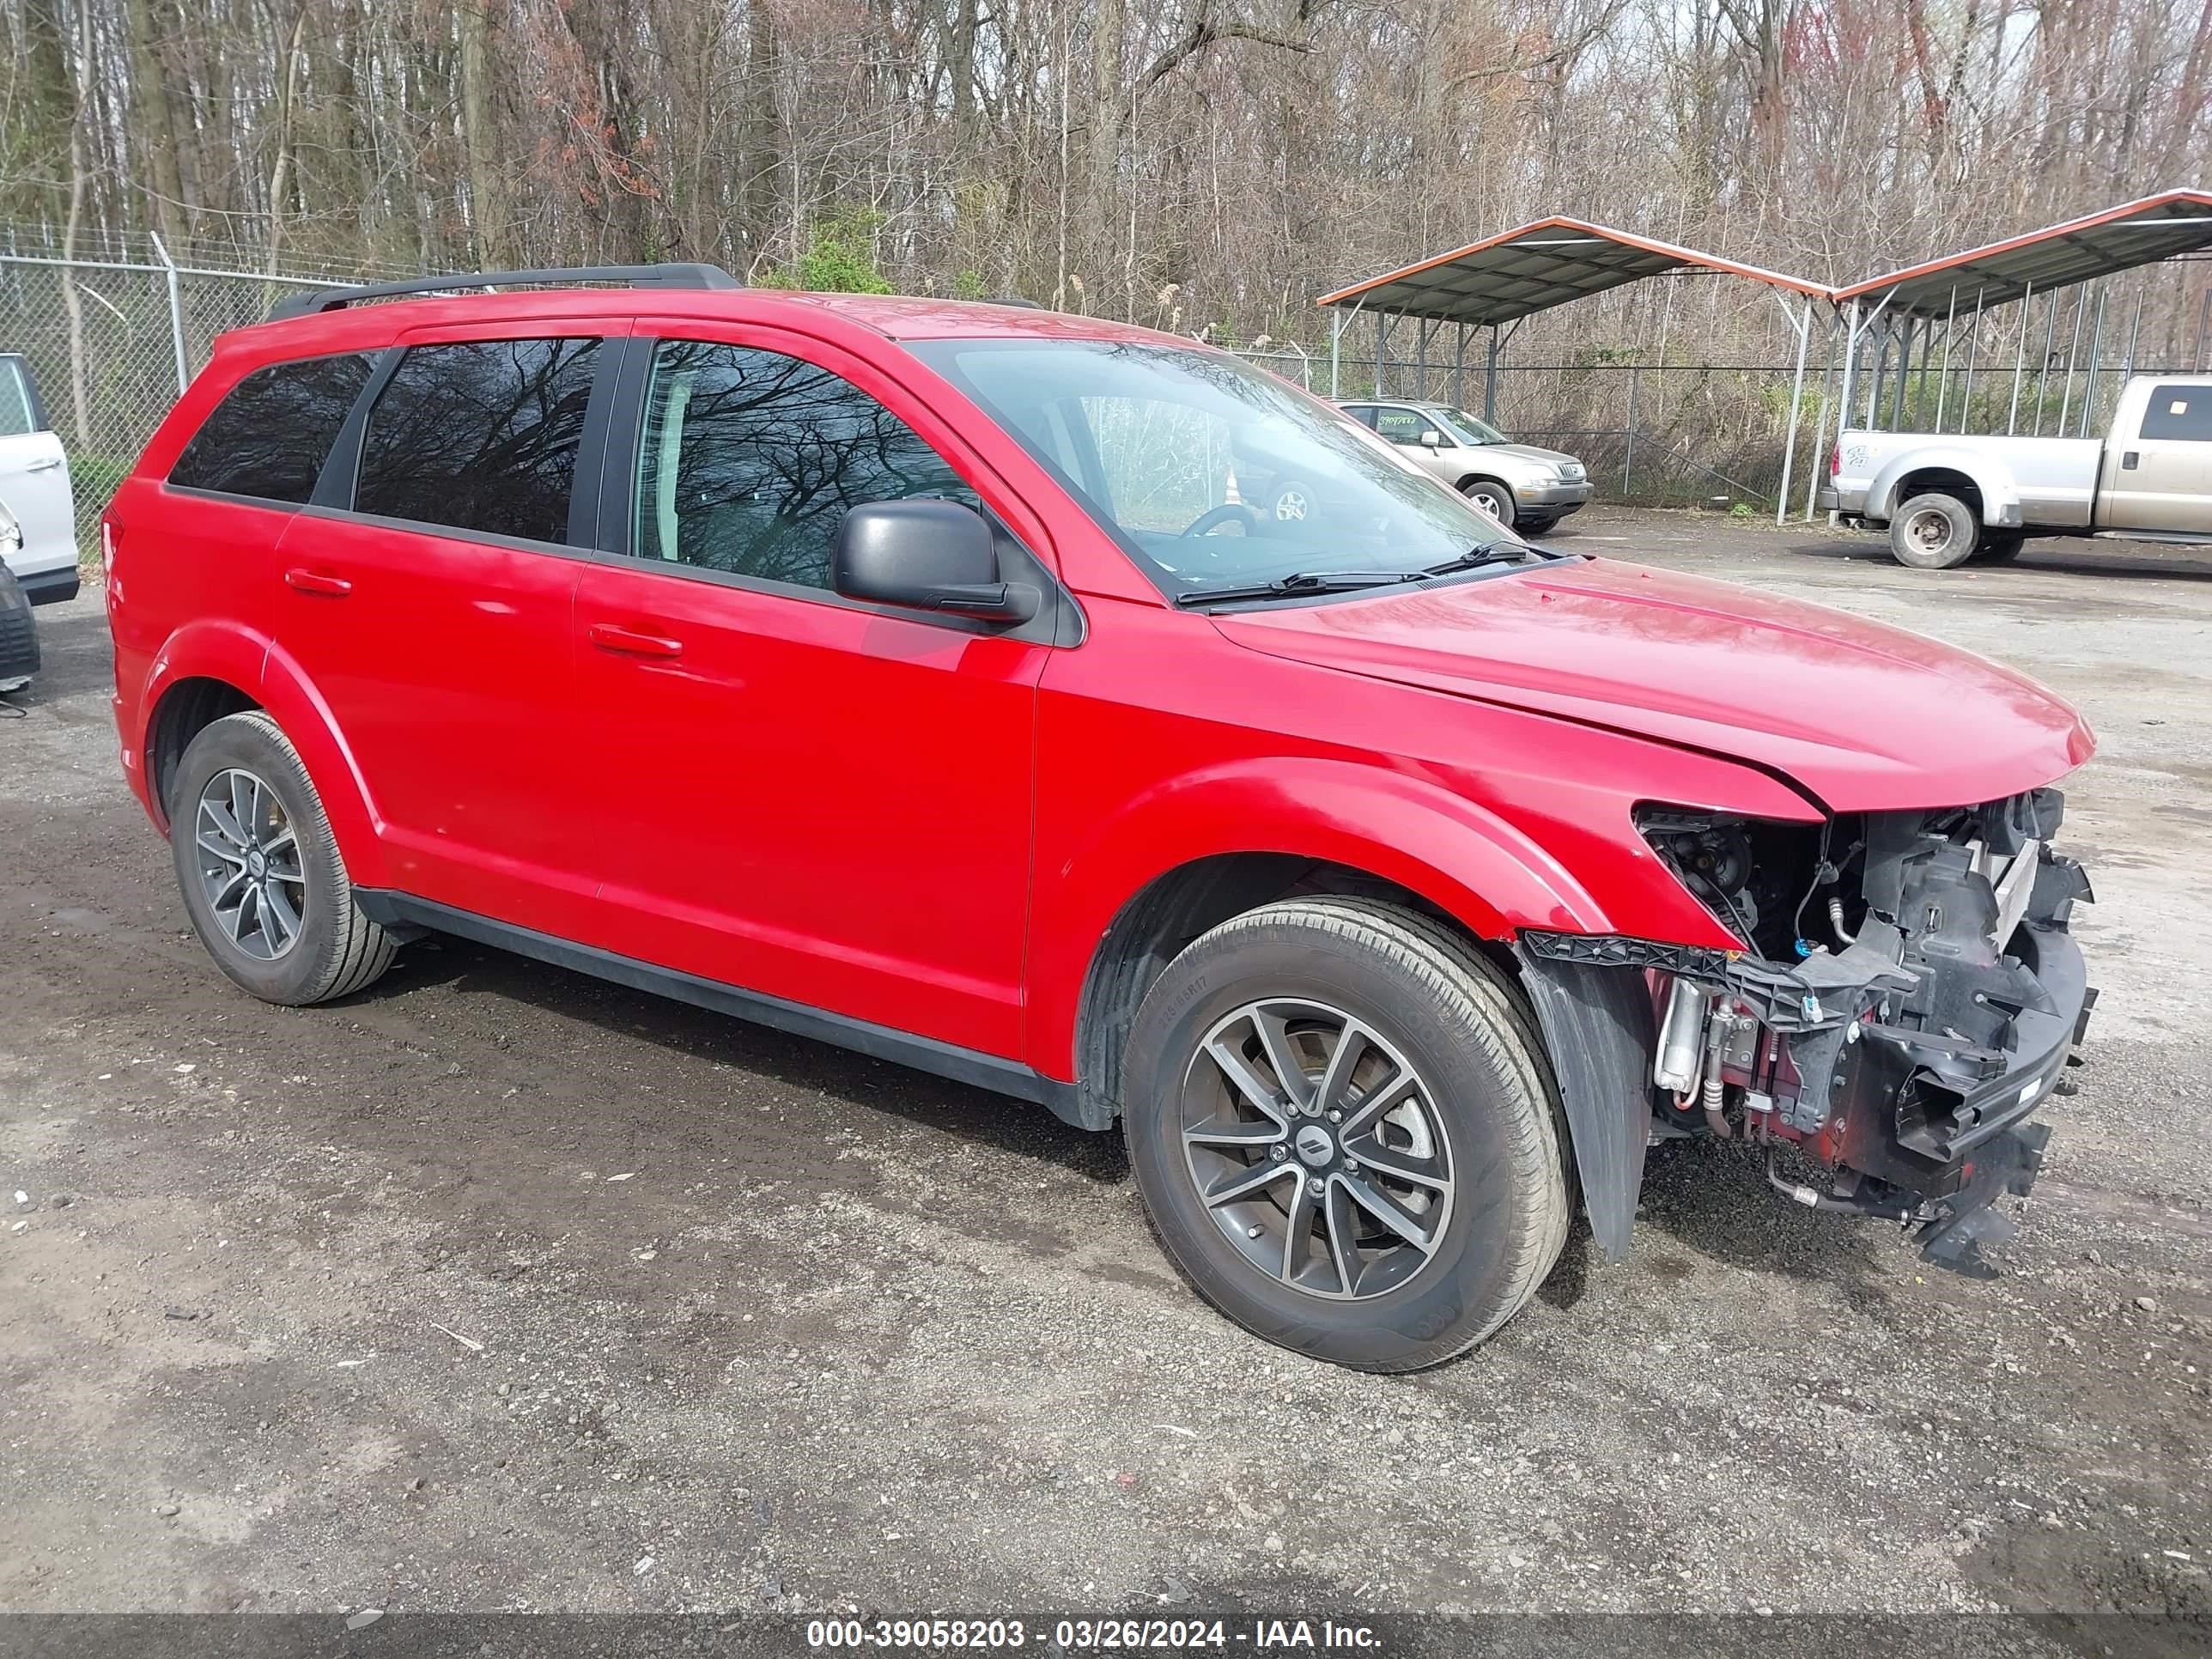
x=631 y=642
x=43 y=466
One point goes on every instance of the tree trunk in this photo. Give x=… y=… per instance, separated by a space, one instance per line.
x=761 y=156
x=486 y=211
x=156 y=125
x=1108 y=22
x=963 y=78
x=72 y=303
x=280 y=175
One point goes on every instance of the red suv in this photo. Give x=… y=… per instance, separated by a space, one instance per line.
x=911 y=675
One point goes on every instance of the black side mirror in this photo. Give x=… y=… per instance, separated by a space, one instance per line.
x=929 y=555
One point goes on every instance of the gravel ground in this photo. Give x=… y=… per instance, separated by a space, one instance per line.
x=499 y=1288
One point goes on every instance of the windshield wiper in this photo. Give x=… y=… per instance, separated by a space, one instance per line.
x=1481 y=554
x=1300 y=583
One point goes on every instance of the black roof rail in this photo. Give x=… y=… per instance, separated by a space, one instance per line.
x=664 y=276
x=1017 y=301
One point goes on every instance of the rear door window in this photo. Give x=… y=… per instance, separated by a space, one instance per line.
x=269 y=435
x=2179 y=411
x=1400 y=426
x=480 y=435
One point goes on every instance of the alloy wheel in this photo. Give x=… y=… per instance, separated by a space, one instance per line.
x=248 y=854
x=1317 y=1148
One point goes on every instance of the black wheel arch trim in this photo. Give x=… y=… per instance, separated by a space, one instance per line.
x=406 y=915
x=1598 y=1028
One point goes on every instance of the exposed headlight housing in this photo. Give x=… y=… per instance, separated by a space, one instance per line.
x=1750 y=874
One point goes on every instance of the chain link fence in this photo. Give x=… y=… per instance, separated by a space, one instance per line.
x=111 y=343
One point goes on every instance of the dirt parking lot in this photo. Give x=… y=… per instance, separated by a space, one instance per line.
x=500 y=1288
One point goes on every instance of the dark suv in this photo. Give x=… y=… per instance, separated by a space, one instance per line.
x=910 y=674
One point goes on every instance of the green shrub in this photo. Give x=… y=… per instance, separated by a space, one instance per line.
x=841 y=254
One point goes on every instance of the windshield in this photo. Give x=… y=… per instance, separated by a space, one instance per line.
x=1214 y=474
x=1470 y=430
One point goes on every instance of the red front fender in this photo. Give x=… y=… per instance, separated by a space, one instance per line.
x=1405 y=829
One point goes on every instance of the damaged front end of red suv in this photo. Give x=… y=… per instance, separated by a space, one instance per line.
x=1910 y=993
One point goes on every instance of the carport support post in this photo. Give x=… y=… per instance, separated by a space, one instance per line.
x=2043 y=368
x=1422 y=329
x=1943 y=382
x=1628 y=446
x=1904 y=367
x=2096 y=350
x=1850 y=357
x=1490 y=381
x=1821 y=420
x=1459 y=367
x=1381 y=331
x=2073 y=351
x=176 y=316
x=1973 y=354
x=1804 y=325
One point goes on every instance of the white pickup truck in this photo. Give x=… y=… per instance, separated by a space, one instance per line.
x=1946 y=498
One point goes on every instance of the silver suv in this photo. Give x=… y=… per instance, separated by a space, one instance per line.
x=1522 y=487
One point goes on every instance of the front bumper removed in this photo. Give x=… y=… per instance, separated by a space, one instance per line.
x=1908 y=1062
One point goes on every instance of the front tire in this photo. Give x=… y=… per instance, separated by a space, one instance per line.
x=1292 y=501
x=260 y=871
x=1934 y=533
x=1492 y=497
x=1346 y=1133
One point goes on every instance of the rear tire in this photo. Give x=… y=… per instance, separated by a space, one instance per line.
x=1999 y=546
x=1934 y=533
x=1437 y=1214
x=262 y=879
x=19 y=633
x=1492 y=495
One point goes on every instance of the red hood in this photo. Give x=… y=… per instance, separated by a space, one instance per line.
x=1867 y=718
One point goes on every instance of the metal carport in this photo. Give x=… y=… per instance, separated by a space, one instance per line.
x=1497 y=283
x=1949 y=296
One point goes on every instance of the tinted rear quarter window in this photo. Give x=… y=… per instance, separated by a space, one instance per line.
x=2179 y=411
x=480 y=435
x=269 y=435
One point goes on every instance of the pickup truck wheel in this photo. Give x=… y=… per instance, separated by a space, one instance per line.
x=1999 y=546
x=1344 y=1131
x=1934 y=533
x=1492 y=495
x=263 y=882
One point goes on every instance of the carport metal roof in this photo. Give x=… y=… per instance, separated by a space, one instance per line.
x=2157 y=228
x=1549 y=263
